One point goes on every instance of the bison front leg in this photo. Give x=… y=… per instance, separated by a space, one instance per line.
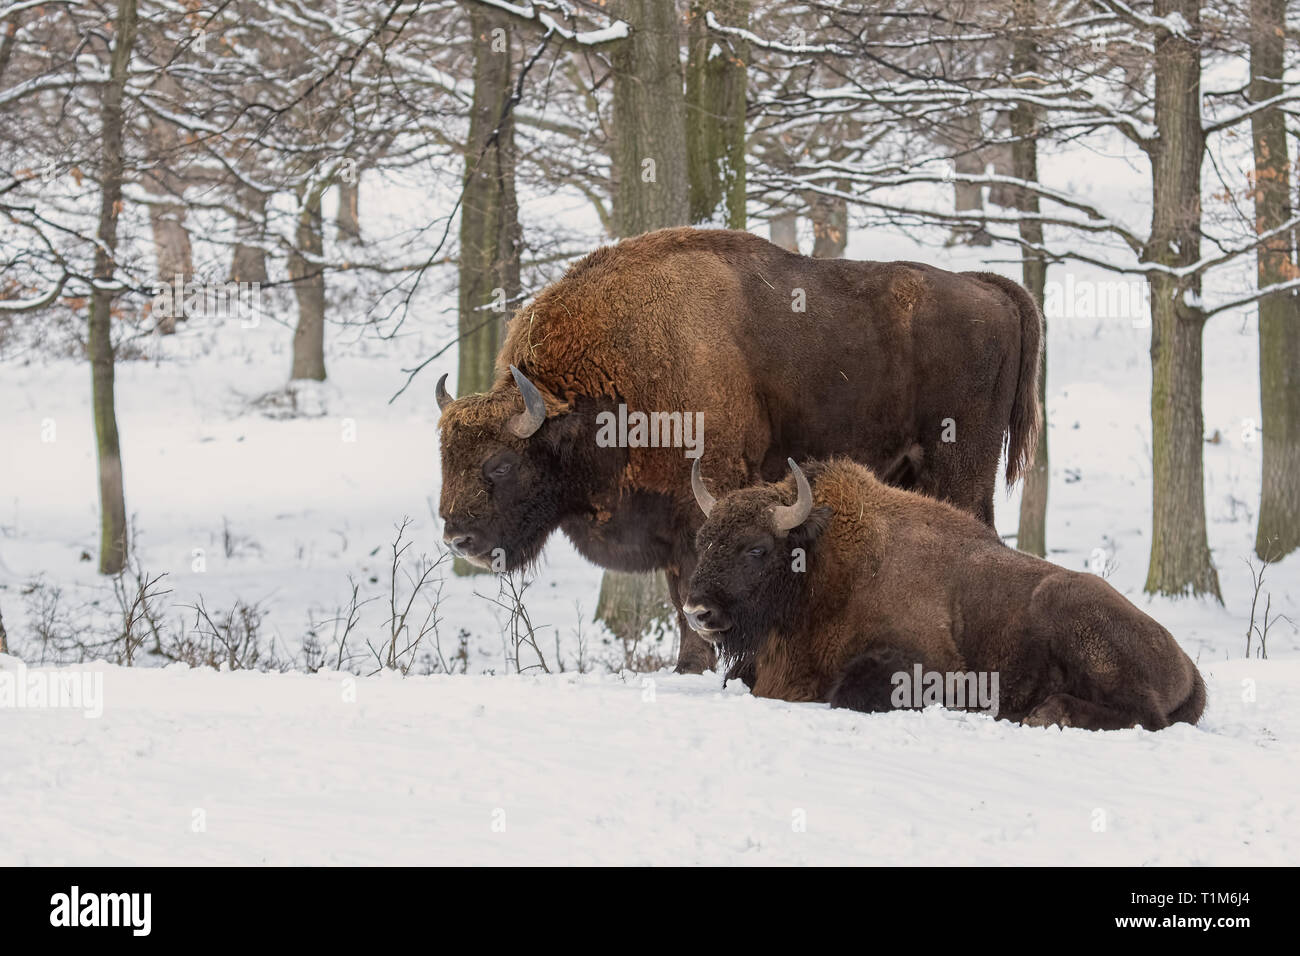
x=867 y=683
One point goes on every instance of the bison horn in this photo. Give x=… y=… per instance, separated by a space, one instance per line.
x=786 y=517
x=705 y=500
x=441 y=393
x=530 y=419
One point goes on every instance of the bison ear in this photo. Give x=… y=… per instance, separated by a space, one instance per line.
x=563 y=431
x=806 y=534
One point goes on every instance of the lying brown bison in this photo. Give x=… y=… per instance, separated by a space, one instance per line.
x=838 y=587
x=776 y=354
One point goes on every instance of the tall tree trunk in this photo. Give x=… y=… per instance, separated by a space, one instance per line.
x=490 y=234
x=968 y=159
x=716 y=77
x=309 y=289
x=171 y=241
x=783 y=230
x=1180 y=552
x=173 y=252
x=248 y=263
x=830 y=222
x=650 y=192
x=649 y=170
x=1278 y=532
x=1032 y=536
x=112 y=497
x=348 y=219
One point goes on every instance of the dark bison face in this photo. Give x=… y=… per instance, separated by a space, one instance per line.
x=502 y=477
x=753 y=553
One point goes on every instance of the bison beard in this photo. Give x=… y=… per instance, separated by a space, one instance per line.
x=755 y=621
x=884 y=363
x=897 y=582
x=777 y=608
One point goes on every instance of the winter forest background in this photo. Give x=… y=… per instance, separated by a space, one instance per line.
x=259 y=231
x=240 y=242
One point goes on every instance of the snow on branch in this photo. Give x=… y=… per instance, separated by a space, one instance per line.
x=1269 y=290
x=1059 y=97
x=1175 y=23
x=539 y=12
x=1288 y=95
x=14 y=9
x=1096 y=221
x=776 y=46
x=38 y=301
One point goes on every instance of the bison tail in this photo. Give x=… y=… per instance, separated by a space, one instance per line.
x=1026 y=420
x=1190 y=710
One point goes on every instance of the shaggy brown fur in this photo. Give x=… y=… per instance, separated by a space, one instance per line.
x=688 y=320
x=894 y=578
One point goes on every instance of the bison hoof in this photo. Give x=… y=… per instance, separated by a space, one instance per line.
x=1050 y=713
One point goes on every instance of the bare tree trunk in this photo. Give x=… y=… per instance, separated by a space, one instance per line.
x=171 y=239
x=716 y=76
x=490 y=234
x=830 y=221
x=784 y=231
x=1180 y=552
x=309 y=289
x=112 y=498
x=634 y=605
x=173 y=252
x=650 y=192
x=1032 y=536
x=969 y=160
x=248 y=263
x=1278 y=531
x=650 y=179
x=348 y=219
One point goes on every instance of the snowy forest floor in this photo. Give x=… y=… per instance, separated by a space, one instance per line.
x=198 y=767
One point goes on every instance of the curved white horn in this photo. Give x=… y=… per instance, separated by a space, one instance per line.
x=785 y=517
x=705 y=500
x=530 y=419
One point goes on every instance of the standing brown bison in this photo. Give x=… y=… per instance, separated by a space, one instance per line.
x=919 y=373
x=835 y=587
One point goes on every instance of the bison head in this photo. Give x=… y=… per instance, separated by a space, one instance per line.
x=502 y=477
x=753 y=550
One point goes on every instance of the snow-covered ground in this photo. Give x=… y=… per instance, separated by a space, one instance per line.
x=231 y=502
x=199 y=767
